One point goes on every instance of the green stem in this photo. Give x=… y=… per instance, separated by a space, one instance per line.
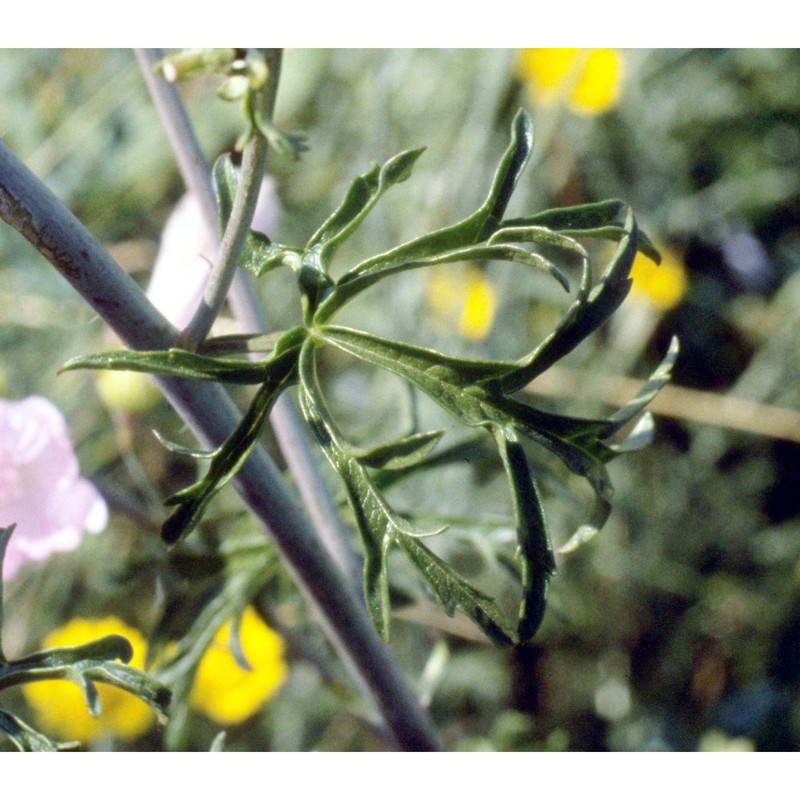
x=238 y=227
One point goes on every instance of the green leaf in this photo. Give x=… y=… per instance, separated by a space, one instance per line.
x=240 y=343
x=538 y=235
x=361 y=197
x=259 y=255
x=378 y=525
x=314 y=282
x=359 y=279
x=226 y=182
x=601 y=509
x=451 y=383
x=603 y=220
x=247 y=575
x=27 y=739
x=357 y=198
x=655 y=383
x=592 y=306
x=508 y=173
x=187 y=452
x=104 y=649
x=454 y=239
x=228 y=459
x=538 y=563
x=186 y=364
x=453 y=592
x=83 y=665
x=176 y=362
x=399 y=454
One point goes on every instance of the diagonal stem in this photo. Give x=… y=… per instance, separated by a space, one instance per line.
x=32 y=209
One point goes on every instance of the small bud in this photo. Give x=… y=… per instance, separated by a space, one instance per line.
x=193 y=63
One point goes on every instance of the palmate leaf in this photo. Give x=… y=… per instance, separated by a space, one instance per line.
x=579 y=443
x=380 y=528
x=476 y=393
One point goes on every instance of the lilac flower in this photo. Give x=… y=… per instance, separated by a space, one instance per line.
x=41 y=489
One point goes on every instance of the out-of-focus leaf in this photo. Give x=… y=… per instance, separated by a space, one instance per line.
x=400 y=454
x=86 y=663
x=27 y=739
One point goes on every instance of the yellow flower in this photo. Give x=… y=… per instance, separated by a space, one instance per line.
x=226 y=693
x=59 y=706
x=588 y=81
x=465 y=302
x=662 y=286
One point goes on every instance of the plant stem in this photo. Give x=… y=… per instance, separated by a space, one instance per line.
x=238 y=226
x=32 y=209
x=286 y=420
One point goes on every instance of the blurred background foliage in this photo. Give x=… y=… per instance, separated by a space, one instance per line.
x=678 y=628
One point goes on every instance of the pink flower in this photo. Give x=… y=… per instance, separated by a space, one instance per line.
x=187 y=250
x=41 y=489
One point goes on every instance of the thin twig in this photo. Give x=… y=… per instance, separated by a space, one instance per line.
x=680 y=402
x=32 y=209
x=286 y=421
x=254 y=162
